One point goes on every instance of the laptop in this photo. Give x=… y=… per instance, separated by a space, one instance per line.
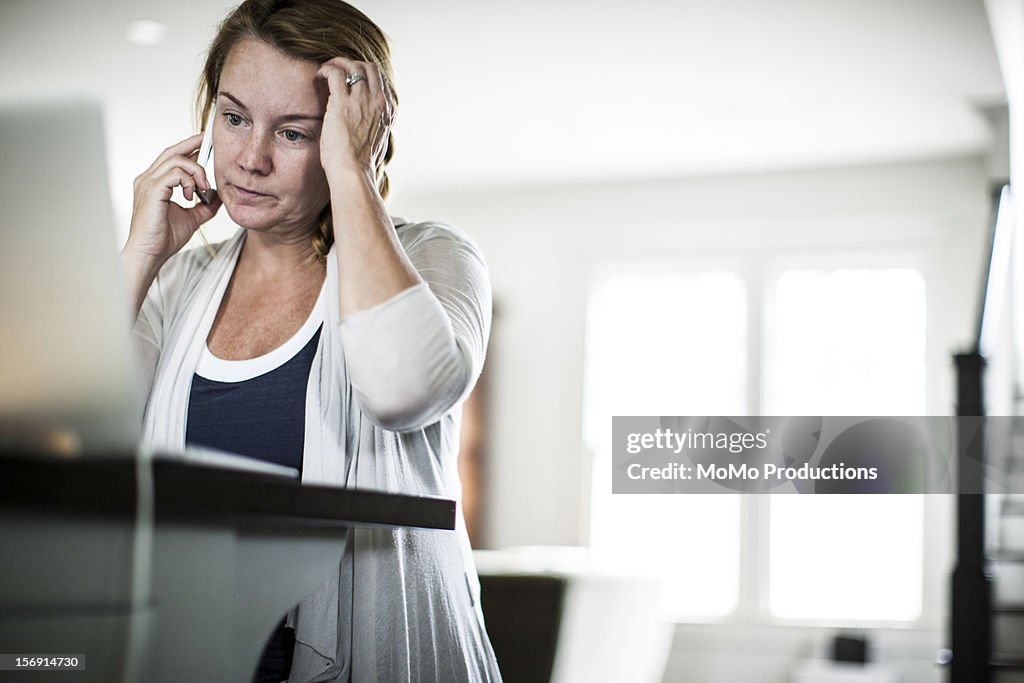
x=68 y=383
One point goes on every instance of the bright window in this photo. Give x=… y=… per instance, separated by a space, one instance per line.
x=846 y=341
x=846 y=557
x=666 y=344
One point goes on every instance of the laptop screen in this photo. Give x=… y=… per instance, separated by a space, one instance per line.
x=67 y=369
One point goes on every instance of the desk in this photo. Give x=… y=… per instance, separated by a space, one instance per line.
x=168 y=571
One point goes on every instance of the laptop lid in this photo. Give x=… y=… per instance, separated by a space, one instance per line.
x=67 y=369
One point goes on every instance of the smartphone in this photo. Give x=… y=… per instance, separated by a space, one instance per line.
x=206 y=159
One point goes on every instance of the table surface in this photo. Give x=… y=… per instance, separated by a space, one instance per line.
x=182 y=490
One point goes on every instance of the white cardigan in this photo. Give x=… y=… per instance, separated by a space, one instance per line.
x=383 y=406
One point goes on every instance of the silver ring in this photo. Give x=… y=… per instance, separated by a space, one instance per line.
x=352 y=79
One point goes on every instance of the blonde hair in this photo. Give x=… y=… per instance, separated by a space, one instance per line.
x=313 y=30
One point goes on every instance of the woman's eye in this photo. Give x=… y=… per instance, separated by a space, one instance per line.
x=293 y=136
x=234 y=119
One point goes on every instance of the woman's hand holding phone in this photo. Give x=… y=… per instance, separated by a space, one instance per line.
x=159 y=226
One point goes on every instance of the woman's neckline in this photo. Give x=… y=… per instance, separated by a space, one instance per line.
x=220 y=370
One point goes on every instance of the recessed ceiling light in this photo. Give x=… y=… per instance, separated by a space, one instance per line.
x=145 y=32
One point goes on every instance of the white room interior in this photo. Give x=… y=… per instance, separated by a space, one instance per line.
x=572 y=140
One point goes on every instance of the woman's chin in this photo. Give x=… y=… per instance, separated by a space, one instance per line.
x=249 y=217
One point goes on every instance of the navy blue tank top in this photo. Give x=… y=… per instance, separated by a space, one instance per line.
x=262 y=417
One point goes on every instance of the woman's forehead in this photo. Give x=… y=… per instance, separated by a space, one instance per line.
x=262 y=77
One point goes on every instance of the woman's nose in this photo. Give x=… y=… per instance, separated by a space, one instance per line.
x=254 y=156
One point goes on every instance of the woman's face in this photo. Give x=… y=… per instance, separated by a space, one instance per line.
x=266 y=138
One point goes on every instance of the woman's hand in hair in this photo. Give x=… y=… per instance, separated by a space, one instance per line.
x=160 y=227
x=372 y=265
x=357 y=121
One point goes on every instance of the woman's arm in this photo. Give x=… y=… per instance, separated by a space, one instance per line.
x=415 y=317
x=413 y=357
x=372 y=265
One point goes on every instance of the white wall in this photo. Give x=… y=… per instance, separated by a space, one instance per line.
x=542 y=244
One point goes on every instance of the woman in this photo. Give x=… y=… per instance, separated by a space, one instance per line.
x=321 y=328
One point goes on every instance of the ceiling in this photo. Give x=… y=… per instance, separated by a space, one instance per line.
x=572 y=91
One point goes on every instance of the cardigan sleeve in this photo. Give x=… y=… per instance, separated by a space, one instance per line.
x=414 y=356
x=160 y=304
x=148 y=335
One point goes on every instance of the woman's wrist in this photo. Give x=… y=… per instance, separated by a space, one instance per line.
x=140 y=269
x=141 y=259
x=344 y=179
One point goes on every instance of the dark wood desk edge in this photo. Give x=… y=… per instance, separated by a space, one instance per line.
x=202 y=493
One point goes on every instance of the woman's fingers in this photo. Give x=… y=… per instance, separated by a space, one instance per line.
x=338 y=70
x=177 y=170
x=359 y=113
x=184 y=148
x=198 y=214
x=371 y=78
x=164 y=183
x=195 y=171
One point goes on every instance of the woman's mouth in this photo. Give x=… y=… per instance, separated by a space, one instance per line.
x=246 y=193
